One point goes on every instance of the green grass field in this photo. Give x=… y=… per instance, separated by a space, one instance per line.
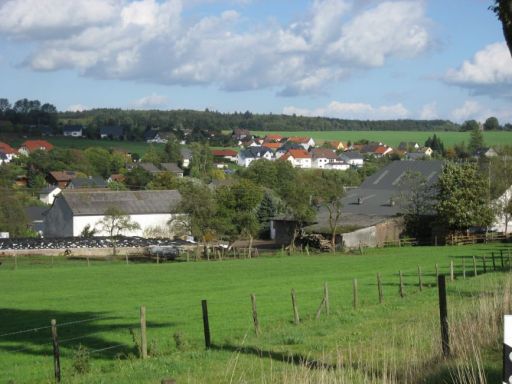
x=97 y=305
x=394 y=138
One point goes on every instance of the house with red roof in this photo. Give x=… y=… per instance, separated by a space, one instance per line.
x=7 y=153
x=30 y=146
x=337 y=145
x=226 y=154
x=300 y=158
x=305 y=142
x=273 y=138
x=273 y=146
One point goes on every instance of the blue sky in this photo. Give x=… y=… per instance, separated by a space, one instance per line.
x=362 y=59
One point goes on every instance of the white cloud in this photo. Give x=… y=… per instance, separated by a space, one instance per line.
x=151 y=101
x=148 y=40
x=361 y=111
x=429 y=111
x=488 y=72
x=77 y=108
x=473 y=110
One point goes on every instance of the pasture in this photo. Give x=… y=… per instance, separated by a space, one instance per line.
x=97 y=306
x=393 y=138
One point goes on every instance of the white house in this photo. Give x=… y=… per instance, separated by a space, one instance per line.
x=300 y=158
x=321 y=157
x=305 y=142
x=338 y=165
x=503 y=222
x=247 y=156
x=72 y=211
x=47 y=195
x=352 y=158
x=73 y=130
x=7 y=153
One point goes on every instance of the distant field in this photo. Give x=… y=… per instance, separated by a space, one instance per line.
x=139 y=147
x=393 y=138
x=97 y=305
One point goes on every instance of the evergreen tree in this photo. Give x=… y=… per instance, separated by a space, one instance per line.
x=266 y=211
x=476 y=141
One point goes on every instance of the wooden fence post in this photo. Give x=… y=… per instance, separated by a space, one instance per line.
x=88 y=261
x=501 y=258
x=126 y=258
x=475 y=273
x=354 y=288
x=143 y=336
x=52 y=260
x=326 y=298
x=401 y=290
x=437 y=270
x=296 y=318
x=452 y=276
x=206 y=324
x=484 y=264
x=255 y=315
x=463 y=267
x=493 y=262
x=56 y=351
x=443 y=314
x=420 y=280
x=379 y=288
x=15 y=261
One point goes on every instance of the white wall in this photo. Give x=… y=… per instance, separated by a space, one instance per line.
x=146 y=222
x=50 y=197
x=499 y=220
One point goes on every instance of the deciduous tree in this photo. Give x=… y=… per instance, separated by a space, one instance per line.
x=115 y=221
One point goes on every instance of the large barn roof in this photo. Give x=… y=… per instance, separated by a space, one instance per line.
x=130 y=202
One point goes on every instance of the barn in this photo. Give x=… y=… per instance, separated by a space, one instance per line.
x=74 y=210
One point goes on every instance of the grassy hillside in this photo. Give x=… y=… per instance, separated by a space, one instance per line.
x=393 y=138
x=96 y=306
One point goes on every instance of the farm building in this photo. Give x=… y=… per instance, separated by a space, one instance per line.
x=73 y=210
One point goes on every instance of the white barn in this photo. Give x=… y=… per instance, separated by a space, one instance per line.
x=73 y=210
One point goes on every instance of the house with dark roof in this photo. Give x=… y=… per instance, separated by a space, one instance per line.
x=155 y=136
x=352 y=158
x=73 y=130
x=113 y=132
x=47 y=194
x=88 y=182
x=248 y=155
x=305 y=142
x=173 y=168
x=61 y=178
x=186 y=157
x=35 y=216
x=73 y=210
x=149 y=167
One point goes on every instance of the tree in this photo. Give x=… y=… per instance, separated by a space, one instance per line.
x=462 y=198
x=152 y=155
x=164 y=180
x=503 y=10
x=476 y=141
x=172 y=151
x=4 y=105
x=202 y=161
x=266 y=212
x=137 y=178
x=115 y=221
x=469 y=125
x=330 y=189
x=492 y=123
x=435 y=144
x=12 y=214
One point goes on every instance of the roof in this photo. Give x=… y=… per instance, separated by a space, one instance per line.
x=149 y=167
x=150 y=134
x=186 y=153
x=112 y=130
x=117 y=177
x=63 y=175
x=298 y=154
x=272 y=146
x=381 y=149
x=299 y=140
x=6 y=148
x=72 y=128
x=224 y=152
x=48 y=189
x=273 y=137
x=351 y=155
x=325 y=153
x=289 y=145
x=171 y=167
x=89 y=182
x=130 y=202
x=33 y=145
x=35 y=213
x=254 y=152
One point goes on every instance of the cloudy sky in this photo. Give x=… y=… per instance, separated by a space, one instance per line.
x=363 y=59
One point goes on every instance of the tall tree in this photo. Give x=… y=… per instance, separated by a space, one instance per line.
x=202 y=160
x=463 y=198
x=476 y=141
x=492 y=123
x=503 y=10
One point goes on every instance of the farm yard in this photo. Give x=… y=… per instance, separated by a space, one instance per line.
x=97 y=306
x=393 y=138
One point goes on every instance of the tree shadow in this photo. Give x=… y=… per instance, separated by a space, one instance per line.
x=29 y=332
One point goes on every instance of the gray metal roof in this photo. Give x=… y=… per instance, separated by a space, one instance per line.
x=130 y=202
x=171 y=167
x=88 y=182
x=349 y=155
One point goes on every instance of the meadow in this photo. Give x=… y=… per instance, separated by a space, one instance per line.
x=97 y=306
x=393 y=138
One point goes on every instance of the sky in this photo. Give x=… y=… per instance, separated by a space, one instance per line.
x=353 y=59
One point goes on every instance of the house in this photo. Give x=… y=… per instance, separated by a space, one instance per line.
x=485 y=152
x=272 y=146
x=73 y=210
x=30 y=146
x=47 y=195
x=7 y=153
x=73 y=130
x=173 y=168
x=286 y=147
x=337 y=145
x=338 y=165
x=273 y=138
x=186 y=157
x=155 y=136
x=376 y=150
x=88 y=182
x=226 y=154
x=305 y=142
x=241 y=134
x=354 y=159
x=247 y=156
x=415 y=156
x=149 y=167
x=321 y=157
x=410 y=146
x=61 y=178
x=502 y=221
x=116 y=177
x=40 y=130
x=113 y=132
x=300 y=158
